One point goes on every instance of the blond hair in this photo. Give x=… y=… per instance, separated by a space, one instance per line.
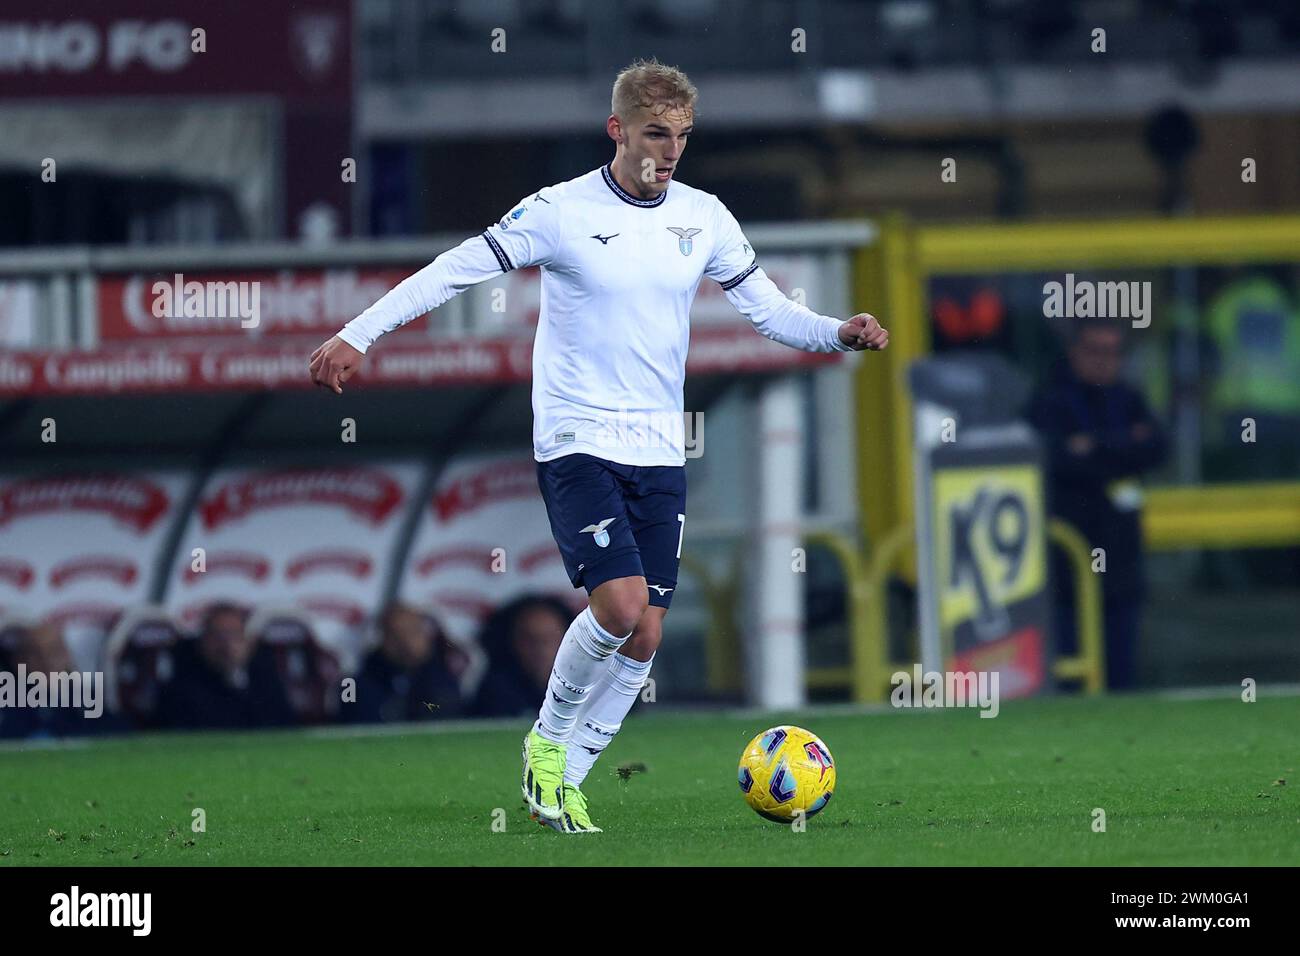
x=649 y=83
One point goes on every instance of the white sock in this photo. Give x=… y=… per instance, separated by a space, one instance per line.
x=602 y=717
x=583 y=656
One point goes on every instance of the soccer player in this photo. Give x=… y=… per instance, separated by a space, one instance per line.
x=622 y=250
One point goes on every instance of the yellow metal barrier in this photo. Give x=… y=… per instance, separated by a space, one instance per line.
x=887 y=284
x=722 y=640
x=1025 y=247
x=1089 y=665
x=1259 y=515
x=870 y=667
x=871 y=676
x=1174 y=517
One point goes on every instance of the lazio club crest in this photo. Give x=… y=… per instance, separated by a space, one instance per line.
x=685 y=238
x=599 y=533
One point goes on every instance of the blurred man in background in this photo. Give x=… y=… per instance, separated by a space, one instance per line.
x=10 y=634
x=222 y=679
x=1099 y=437
x=521 y=640
x=407 y=677
x=42 y=650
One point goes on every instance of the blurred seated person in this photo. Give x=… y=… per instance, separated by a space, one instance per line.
x=408 y=676
x=521 y=640
x=223 y=680
x=10 y=634
x=41 y=649
x=1099 y=438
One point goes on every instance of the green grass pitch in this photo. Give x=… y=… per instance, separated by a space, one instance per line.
x=1182 y=781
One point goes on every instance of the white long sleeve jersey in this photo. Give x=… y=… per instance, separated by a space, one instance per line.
x=619 y=275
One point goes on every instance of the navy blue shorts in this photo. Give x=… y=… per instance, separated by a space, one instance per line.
x=616 y=521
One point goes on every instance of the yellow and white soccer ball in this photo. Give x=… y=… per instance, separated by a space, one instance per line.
x=785 y=770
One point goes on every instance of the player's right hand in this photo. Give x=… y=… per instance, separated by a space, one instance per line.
x=333 y=364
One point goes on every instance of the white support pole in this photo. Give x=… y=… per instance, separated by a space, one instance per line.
x=928 y=418
x=775 y=645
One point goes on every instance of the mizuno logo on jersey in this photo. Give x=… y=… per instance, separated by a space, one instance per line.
x=599 y=533
x=661 y=589
x=685 y=238
x=604 y=240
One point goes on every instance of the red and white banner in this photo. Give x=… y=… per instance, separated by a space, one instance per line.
x=147 y=308
x=78 y=549
x=719 y=349
x=151 y=345
x=316 y=539
x=483 y=539
x=139 y=308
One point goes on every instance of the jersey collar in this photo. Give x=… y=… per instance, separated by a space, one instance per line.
x=627 y=197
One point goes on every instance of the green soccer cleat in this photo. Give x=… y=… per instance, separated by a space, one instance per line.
x=543 y=778
x=576 y=817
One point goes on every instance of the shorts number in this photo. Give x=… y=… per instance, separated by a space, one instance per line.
x=680 y=532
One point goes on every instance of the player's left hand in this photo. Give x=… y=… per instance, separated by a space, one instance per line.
x=333 y=364
x=864 y=332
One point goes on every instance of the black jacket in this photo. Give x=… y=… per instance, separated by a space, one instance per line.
x=198 y=698
x=506 y=691
x=1079 y=485
x=387 y=693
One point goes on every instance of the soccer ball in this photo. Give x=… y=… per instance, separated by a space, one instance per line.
x=784 y=770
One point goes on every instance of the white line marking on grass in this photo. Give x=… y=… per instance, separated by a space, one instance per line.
x=45 y=743
x=1228 y=691
x=346 y=731
x=483 y=725
x=817 y=710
